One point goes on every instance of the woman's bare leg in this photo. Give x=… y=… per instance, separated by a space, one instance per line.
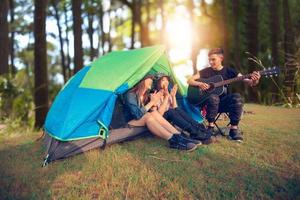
x=163 y=122
x=153 y=125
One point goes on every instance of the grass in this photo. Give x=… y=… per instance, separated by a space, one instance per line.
x=265 y=166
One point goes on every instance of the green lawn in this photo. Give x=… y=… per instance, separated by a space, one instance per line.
x=265 y=166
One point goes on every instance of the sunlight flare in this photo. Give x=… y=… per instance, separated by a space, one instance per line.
x=178 y=36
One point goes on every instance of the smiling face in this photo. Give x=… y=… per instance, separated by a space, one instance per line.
x=215 y=61
x=163 y=83
x=148 y=83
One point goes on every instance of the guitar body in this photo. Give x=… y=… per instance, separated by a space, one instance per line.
x=196 y=96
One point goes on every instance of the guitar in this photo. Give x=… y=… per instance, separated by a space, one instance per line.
x=217 y=85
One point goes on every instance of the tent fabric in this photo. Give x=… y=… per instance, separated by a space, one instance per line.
x=75 y=112
x=122 y=67
x=83 y=109
x=57 y=150
x=85 y=104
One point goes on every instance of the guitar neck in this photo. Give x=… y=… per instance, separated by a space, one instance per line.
x=226 y=82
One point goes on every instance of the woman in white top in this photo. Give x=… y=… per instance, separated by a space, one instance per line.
x=169 y=109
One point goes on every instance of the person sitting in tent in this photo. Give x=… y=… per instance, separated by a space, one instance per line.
x=169 y=109
x=139 y=104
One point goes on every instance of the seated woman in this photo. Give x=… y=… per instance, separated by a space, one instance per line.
x=139 y=103
x=169 y=109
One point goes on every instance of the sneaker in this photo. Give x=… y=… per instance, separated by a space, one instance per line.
x=200 y=134
x=235 y=135
x=178 y=142
x=189 y=139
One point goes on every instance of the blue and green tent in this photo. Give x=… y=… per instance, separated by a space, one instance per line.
x=83 y=112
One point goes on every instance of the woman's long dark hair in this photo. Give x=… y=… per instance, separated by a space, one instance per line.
x=138 y=91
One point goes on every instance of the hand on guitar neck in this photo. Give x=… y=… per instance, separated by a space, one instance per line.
x=254 y=79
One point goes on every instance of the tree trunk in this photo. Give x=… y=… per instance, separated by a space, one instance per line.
x=224 y=27
x=236 y=7
x=12 y=37
x=90 y=31
x=144 y=31
x=40 y=63
x=133 y=6
x=274 y=29
x=290 y=50
x=108 y=34
x=148 y=19
x=67 y=40
x=77 y=22
x=252 y=43
x=61 y=42
x=133 y=21
x=163 y=28
x=4 y=40
x=236 y=33
x=101 y=39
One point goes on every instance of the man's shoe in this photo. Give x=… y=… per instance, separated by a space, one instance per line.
x=235 y=135
x=178 y=142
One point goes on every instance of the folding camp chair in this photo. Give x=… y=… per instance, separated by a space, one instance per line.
x=220 y=131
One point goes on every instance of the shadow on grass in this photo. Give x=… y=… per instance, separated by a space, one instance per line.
x=209 y=174
x=22 y=175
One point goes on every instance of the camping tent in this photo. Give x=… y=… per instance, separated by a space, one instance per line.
x=87 y=113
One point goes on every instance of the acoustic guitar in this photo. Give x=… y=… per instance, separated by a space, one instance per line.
x=216 y=84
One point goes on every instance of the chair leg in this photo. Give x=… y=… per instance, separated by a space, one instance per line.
x=219 y=130
x=215 y=123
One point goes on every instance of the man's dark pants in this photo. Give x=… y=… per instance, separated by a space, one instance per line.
x=229 y=103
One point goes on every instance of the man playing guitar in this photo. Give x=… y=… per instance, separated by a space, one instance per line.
x=231 y=103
